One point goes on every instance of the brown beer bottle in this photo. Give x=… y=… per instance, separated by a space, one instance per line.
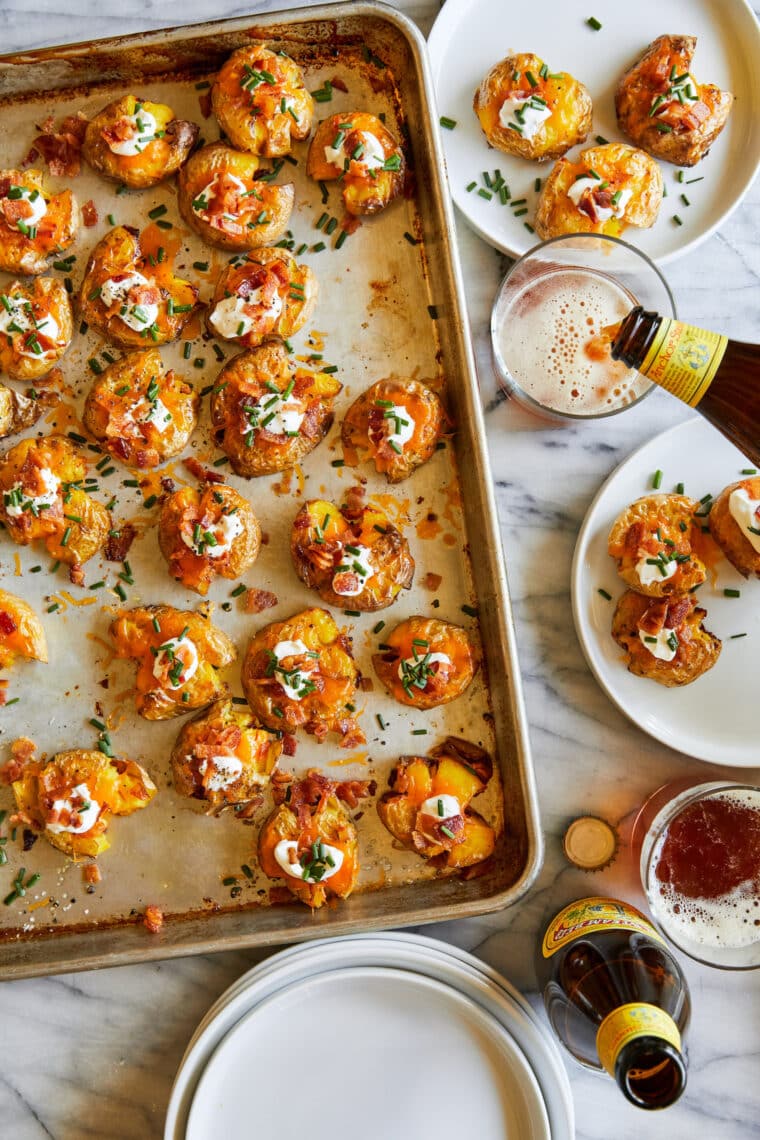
x=616 y=997
x=717 y=376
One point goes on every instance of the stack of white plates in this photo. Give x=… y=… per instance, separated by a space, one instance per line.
x=375 y=1037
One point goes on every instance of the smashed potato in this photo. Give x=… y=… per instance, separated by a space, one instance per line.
x=140 y=413
x=425 y=662
x=608 y=188
x=265 y=294
x=395 y=423
x=428 y=807
x=36 y=327
x=350 y=555
x=208 y=533
x=21 y=632
x=223 y=200
x=71 y=798
x=33 y=223
x=735 y=525
x=267 y=413
x=662 y=108
x=130 y=293
x=359 y=150
x=525 y=109
x=664 y=638
x=653 y=543
x=261 y=102
x=178 y=653
x=301 y=673
x=138 y=143
x=309 y=840
x=18 y=412
x=225 y=757
x=41 y=498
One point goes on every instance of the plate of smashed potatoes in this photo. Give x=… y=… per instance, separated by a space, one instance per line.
x=629 y=121
x=665 y=592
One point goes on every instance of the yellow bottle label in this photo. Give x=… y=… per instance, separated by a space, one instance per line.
x=684 y=359
x=590 y=915
x=637 y=1019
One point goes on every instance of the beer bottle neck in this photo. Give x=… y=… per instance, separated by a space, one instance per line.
x=650 y=1072
x=635 y=336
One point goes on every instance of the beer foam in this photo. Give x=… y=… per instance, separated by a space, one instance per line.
x=551 y=339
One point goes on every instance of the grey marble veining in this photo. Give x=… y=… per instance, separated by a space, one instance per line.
x=93 y=1055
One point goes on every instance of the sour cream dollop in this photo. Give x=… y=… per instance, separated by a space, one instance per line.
x=176 y=649
x=371 y=157
x=142 y=126
x=137 y=317
x=294 y=683
x=88 y=812
x=14 y=509
x=649 y=572
x=35 y=200
x=428 y=658
x=522 y=112
x=744 y=511
x=17 y=312
x=357 y=561
x=603 y=213
x=399 y=425
x=274 y=413
x=221 y=771
x=201 y=201
x=296 y=871
x=225 y=531
x=664 y=646
x=230 y=320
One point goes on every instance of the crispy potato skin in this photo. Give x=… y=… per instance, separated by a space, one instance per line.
x=134 y=635
x=447 y=771
x=447 y=681
x=188 y=508
x=114 y=417
x=365 y=427
x=27 y=639
x=251 y=376
x=18 y=412
x=231 y=219
x=634 y=536
x=694 y=125
x=124 y=251
x=251 y=116
x=623 y=168
x=698 y=649
x=332 y=672
x=119 y=786
x=362 y=194
x=157 y=161
x=322 y=531
x=56 y=230
x=728 y=534
x=22 y=464
x=288 y=293
x=320 y=817
x=568 y=99
x=224 y=730
x=48 y=298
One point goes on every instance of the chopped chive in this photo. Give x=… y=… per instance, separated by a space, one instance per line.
x=657 y=480
x=748 y=471
x=690 y=180
x=379 y=718
x=605 y=595
x=728 y=593
x=520 y=213
x=157 y=212
x=411 y=239
x=679 y=488
x=537 y=185
x=241 y=589
x=685 y=200
x=318 y=247
x=736 y=636
x=485 y=194
x=52 y=608
x=594 y=23
x=469 y=610
x=447 y=123
x=602 y=140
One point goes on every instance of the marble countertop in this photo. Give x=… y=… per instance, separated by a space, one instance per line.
x=94 y=1054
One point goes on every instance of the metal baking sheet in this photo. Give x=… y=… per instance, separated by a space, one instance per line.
x=372 y=321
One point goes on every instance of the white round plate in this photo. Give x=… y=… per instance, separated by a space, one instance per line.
x=355 y=1029
x=714 y=718
x=470 y=36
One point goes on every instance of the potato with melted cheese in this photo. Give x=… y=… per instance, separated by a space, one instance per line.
x=427 y=809
x=735 y=525
x=178 y=655
x=662 y=108
x=525 y=109
x=301 y=673
x=664 y=638
x=261 y=101
x=224 y=757
x=33 y=222
x=138 y=143
x=21 y=632
x=653 y=542
x=206 y=534
x=140 y=412
x=607 y=189
x=223 y=200
x=41 y=497
x=352 y=556
x=268 y=413
x=425 y=662
x=36 y=327
x=395 y=423
x=264 y=295
x=359 y=150
x=71 y=798
x=131 y=295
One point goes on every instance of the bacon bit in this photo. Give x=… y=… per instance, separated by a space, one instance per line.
x=351 y=791
x=366 y=684
x=168 y=485
x=351 y=735
x=350 y=223
x=265 y=538
x=117 y=546
x=59 y=149
x=339 y=84
x=22 y=750
x=256 y=601
x=347 y=583
x=432 y=581
x=28 y=840
x=354 y=504
x=288 y=744
x=205 y=474
x=91 y=874
x=678 y=610
x=153 y=919
x=90 y=213
x=7 y=623
x=204 y=102
x=76 y=574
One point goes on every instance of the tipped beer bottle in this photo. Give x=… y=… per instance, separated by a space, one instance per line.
x=616 y=998
x=717 y=376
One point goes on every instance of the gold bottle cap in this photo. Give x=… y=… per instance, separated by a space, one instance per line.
x=590 y=843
